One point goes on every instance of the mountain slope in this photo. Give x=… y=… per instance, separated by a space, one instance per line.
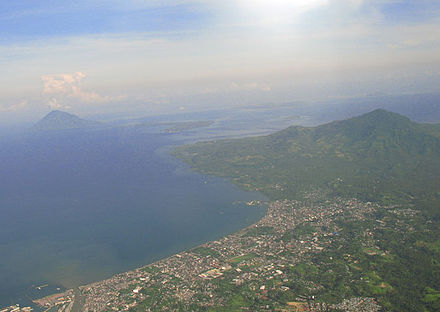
x=58 y=120
x=377 y=156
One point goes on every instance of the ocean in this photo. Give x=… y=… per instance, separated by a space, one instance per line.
x=78 y=206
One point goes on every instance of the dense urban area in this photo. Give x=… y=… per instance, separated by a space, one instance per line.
x=285 y=262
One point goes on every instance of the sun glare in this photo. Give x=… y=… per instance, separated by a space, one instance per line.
x=270 y=13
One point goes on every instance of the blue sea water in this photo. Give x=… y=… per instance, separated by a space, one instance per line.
x=81 y=205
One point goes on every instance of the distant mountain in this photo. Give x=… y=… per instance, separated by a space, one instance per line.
x=377 y=156
x=58 y=120
x=418 y=107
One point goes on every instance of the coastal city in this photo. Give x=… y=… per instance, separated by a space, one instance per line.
x=220 y=156
x=254 y=269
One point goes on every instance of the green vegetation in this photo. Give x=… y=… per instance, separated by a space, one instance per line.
x=432 y=298
x=242 y=258
x=433 y=129
x=151 y=269
x=263 y=230
x=381 y=157
x=203 y=251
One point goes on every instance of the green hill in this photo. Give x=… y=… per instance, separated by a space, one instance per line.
x=379 y=156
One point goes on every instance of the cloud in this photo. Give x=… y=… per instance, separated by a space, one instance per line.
x=14 y=107
x=54 y=104
x=62 y=87
x=261 y=45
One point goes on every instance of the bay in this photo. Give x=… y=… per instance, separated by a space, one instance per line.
x=78 y=206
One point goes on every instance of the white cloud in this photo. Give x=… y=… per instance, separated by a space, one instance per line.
x=53 y=104
x=69 y=85
x=66 y=87
x=261 y=45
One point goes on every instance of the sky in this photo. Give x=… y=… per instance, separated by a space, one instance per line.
x=142 y=57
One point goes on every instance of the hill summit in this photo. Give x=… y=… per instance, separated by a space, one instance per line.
x=376 y=156
x=58 y=120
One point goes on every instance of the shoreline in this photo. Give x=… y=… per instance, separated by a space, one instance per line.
x=70 y=294
x=186 y=277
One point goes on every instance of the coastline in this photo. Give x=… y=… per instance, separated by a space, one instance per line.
x=116 y=247
x=70 y=296
x=253 y=256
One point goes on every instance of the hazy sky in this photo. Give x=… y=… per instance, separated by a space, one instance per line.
x=91 y=57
